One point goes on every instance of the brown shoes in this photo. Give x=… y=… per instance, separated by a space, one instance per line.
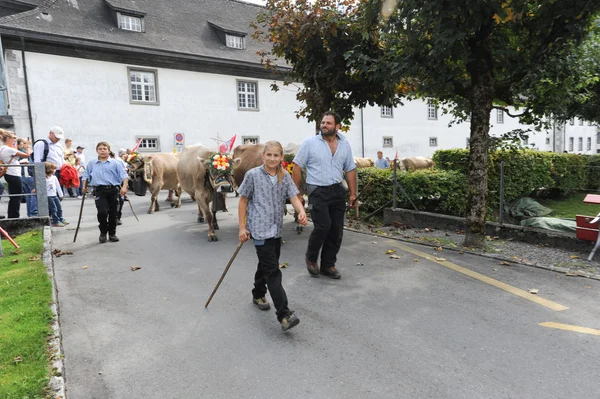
x=331 y=272
x=312 y=268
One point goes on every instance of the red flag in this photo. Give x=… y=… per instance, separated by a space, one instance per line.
x=396 y=155
x=136 y=146
x=226 y=147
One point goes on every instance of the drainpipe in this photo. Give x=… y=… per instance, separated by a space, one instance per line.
x=362 y=132
x=27 y=89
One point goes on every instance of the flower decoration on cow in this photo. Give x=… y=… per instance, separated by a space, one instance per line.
x=289 y=166
x=220 y=164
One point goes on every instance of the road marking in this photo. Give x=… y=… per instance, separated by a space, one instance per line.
x=568 y=327
x=478 y=276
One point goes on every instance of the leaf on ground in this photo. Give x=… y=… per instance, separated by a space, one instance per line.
x=134 y=268
x=84 y=267
x=15 y=261
x=58 y=253
x=373 y=242
x=534 y=291
x=18 y=359
x=390 y=251
x=15 y=252
x=35 y=233
x=461 y=252
x=284 y=265
x=587 y=286
x=438 y=248
x=427 y=230
x=360 y=264
x=394 y=257
x=34 y=258
x=503 y=263
x=415 y=260
x=440 y=259
x=571 y=274
x=574 y=257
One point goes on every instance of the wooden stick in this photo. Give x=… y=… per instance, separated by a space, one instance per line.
x=5 y=234
x=224 y=273
x=80 y=213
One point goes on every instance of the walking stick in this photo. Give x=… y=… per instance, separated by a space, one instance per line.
x=358 y=196
x=80 y=213
x=5 y=234
x=224 y=273
x=131 y=206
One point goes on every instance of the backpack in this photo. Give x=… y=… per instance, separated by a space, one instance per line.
x=44 y=157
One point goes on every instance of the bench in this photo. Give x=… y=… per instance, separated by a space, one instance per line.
x=588 y=226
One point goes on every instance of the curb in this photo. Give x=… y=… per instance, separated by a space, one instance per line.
x=57 y=371
x=564 y=270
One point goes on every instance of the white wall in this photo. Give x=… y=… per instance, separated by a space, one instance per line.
x=90 y=100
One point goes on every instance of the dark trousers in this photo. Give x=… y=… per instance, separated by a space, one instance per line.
x=14 y=203
x=268 y=275
x=120 y=208
x=31 y=200
x=64 y=188
x=327 y=209
x=55 y=209
x=107 y=203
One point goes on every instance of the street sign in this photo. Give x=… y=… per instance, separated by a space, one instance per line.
x=179 y=139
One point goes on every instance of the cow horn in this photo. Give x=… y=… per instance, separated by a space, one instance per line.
x=237 y=161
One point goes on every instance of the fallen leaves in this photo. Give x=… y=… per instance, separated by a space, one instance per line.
x=390 y=251
x=58 y=253
x=574 y=257
x=503 y=263
x=440 y=259
x=394 y=256
x=284 y=265
x=534 y=291
x=415 y=260
x=438 y=248
x=360 y=264
x=33 y=258
x=15 y=252
x=15 y=261
x=84 y=267
x=134 y=268
x=572 y=274
x=18 y=359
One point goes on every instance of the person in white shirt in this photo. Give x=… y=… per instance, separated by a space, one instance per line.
x=9 y=155
x=55 y=195
x=79 y=154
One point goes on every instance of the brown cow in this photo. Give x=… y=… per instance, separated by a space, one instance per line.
x=196 y=180
x=160 y=173
x=413 y=163
x=250 y=156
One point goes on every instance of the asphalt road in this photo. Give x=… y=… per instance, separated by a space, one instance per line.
x=463 y=327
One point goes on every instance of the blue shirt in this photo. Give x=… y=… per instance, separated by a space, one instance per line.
x=322 y=168
x=382 y=163
x=266 y=200
x=107 y=173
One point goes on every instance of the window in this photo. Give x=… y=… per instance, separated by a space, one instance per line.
x=570 y=144
x=387 y=112
x=580 y=122
x=431 y=110
x=250 y=139
x=388 y=142
x=499 y=116
x=572 y=121
x=580 y=144
x=247 y=99
x=433 y=141
x=149 y=143
x=597 y=138
x=143 y=86
x=233 y=41
x=589 y=143
x=547 y=140
x=128 y=22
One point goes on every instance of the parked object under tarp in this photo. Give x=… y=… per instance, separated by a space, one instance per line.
x=525 y=208
x=556 y=224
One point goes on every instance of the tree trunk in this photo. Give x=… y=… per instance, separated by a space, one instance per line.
x=481 y=106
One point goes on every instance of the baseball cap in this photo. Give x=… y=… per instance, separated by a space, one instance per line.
x=78 y=147
x=58 y=132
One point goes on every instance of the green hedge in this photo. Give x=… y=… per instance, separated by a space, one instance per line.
x=430 y=190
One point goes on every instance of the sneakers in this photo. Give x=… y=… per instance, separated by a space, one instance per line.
x=102 y=238
x=261 y=303
x=59 y=224
x=113 y=238
x=289 y=321
x=64 y=222
x=79 y=197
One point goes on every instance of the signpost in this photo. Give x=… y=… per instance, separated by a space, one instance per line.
x=179 y=139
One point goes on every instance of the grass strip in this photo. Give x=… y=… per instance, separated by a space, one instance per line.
x=25 y=316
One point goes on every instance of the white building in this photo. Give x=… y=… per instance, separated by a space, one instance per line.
x=120 y=71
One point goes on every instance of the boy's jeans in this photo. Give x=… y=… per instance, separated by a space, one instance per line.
x=31 y=200
x=55 y=209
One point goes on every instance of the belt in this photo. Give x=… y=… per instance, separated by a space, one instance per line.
x=109 y=186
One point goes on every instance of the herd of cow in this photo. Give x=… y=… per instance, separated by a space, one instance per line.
x=187 y=171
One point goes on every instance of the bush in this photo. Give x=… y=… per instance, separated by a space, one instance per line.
x=430 y=190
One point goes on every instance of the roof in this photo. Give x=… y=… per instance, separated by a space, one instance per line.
x=175 y=26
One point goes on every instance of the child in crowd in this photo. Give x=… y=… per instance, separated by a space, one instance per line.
x=55 y=195
x=262 y=198
x=80 y=170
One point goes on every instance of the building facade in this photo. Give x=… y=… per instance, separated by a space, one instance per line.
x=180 y=72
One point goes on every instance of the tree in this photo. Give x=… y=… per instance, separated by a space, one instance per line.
x=473 y=55
x=316 y=39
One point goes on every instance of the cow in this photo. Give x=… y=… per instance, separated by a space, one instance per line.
x=196 y=180
x=364 y=162
x=160 y=173
x=411 y=164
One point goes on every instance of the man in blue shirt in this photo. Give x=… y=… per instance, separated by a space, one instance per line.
x=110 y=180
x=326 y=157
x=380 y=162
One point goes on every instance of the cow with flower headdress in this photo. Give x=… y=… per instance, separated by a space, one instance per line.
x=204 y=174
x=157 y=172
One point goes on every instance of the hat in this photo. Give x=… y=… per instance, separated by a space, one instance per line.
x=78 y=147
x=58 y=132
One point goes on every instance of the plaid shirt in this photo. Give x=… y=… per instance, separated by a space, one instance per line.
x=266 y=202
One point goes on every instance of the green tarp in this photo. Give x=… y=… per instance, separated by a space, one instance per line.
x=555 y=224
x=525 y=208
